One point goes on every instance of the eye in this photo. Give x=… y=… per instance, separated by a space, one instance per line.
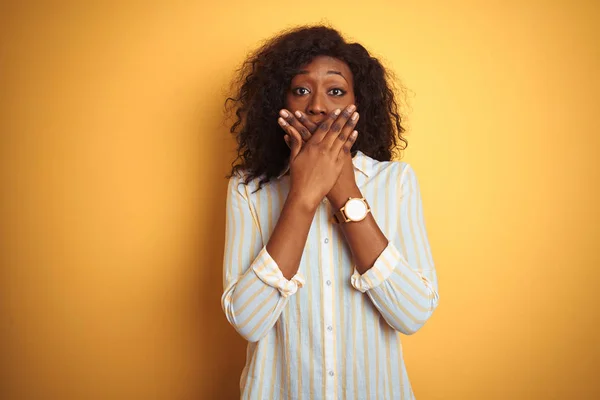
x=337 y=92
x=300 y=91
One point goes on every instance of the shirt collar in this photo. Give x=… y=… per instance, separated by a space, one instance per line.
x=361 y=161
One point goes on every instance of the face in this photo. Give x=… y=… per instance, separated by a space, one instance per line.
x=320 y=87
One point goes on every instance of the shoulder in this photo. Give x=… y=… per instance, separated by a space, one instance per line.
x=237 y=183
x=248 y=188
x=396 y=169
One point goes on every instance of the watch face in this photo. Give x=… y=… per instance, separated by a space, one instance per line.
x=356 y=209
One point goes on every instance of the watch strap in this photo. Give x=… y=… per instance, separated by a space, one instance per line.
x=339 y=216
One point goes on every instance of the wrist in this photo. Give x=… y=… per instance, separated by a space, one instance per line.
x=339 y=195
x=301 y=203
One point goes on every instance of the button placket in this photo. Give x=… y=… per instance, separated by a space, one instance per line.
x=327 y=288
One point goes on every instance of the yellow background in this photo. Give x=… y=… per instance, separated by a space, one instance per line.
x=113 y=158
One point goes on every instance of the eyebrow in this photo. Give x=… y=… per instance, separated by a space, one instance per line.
x=330 y=72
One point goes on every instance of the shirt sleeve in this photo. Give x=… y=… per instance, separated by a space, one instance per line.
x=402 y=283
x=254 y=288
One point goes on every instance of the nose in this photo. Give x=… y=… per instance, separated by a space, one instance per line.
x=316 y=105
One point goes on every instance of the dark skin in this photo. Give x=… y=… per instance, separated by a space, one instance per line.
x=316 y=92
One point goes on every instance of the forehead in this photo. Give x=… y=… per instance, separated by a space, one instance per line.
x=326 y=65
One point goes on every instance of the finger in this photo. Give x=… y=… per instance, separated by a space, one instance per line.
x=338 y=125
x=286 y=138
x=345 y=133
x=347 y=147
x=295 y=139
x=311 y=126
x=323 y=128
x=296 y=143
x=291 y=119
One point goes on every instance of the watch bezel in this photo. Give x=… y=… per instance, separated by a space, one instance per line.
x=364 y=205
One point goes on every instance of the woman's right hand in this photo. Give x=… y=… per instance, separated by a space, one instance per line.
x=316 y=164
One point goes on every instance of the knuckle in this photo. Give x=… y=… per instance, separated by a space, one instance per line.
x=324 y=126
x=304 y=132
x=342 y=137
x=336 y=127
x=346 y=114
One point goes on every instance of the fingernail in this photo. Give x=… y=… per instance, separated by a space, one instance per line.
x=298 y=114
x=354 y=116
x=354 y=134
x=282 y=122
x=337 y=112
x=351 y=108
x=283 y=113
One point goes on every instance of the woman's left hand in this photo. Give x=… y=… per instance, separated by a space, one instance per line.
x=346 y=181
x=298 y=120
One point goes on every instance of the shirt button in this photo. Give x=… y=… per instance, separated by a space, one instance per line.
x=330 y=373
x=326 y=240
x=328 y=282
x=330 y=328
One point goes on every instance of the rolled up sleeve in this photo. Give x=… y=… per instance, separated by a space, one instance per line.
x=254 y=288
x=403 y=284
x=268 y=271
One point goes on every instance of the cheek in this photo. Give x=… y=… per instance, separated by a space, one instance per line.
x=345 y=101
x=290 y=102
x=351 y=98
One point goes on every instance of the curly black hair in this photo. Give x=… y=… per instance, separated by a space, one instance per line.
x=260 y=87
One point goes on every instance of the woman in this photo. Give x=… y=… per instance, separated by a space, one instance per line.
x=327 y=261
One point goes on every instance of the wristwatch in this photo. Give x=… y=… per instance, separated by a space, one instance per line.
x=355 y=209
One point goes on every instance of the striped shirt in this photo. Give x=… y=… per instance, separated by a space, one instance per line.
x=328 y=333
